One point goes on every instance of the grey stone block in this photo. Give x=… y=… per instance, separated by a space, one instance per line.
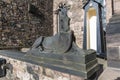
x=113 y=42
x=114 y=63
x=113 y=53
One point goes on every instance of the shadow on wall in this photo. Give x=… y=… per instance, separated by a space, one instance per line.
x=23 y=22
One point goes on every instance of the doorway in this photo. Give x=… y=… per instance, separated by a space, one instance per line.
x=92 y=29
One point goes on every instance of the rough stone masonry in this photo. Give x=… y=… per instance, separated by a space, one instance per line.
x=26 y=71
x=19 y=27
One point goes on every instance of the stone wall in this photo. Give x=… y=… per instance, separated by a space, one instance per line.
x=76 y=15
x=26 y=71
x=113 y=37
x=116 y=6
x=19 y=27
x=108 y=10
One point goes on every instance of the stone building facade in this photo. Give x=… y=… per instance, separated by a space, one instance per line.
x=77 y=15
x=27 y=71
x=18 y=32
x=19 y=27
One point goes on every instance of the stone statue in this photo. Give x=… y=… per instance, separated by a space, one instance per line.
x=61 y=53
x=62 y=41
x=63 y=18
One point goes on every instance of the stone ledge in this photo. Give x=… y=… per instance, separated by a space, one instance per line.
x=90 y=68
x=26 y=71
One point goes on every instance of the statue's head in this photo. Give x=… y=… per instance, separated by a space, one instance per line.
x=62 y=8
x=63 y=19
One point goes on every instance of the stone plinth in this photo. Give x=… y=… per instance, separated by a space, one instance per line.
x=114 y=56
x=113 y=42
x=26 y=71
x=82 y=65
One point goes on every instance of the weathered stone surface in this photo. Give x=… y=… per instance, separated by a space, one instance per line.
x=79 y=68
x=26 y=71
x=59 y=43
x=114 y=63
x=21 y=28
x=7 y=1
x=113 y=45
x=113 y=53
x=16 y=14
x=108 y=10
x=116 y=4
x=60 y=52
x=76 y=15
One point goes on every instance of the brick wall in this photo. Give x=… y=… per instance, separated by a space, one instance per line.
x=18 y=27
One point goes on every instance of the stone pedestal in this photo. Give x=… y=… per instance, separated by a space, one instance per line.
x=27 y=71
x=113 y=42
x=112 y=72
x=114 y=56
